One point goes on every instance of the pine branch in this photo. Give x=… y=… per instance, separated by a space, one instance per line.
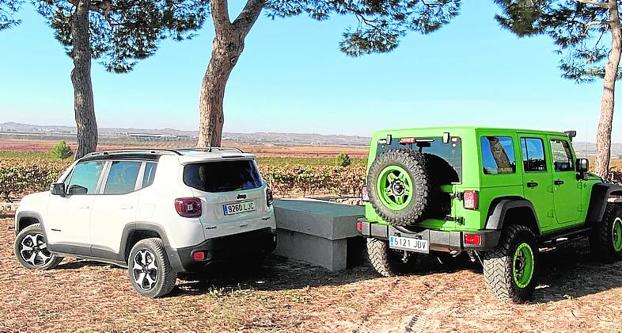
x=248 y=16
x=220 y=15
x=594 y=3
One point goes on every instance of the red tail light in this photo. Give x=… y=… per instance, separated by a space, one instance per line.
x=364 y=194
x=359 y=225
x=269 y=196
x=198 y=256
x=471 y=199
x=188 y=207
x=472 y=239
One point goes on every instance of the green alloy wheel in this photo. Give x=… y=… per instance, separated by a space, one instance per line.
x=395 y=187
x=522 y=265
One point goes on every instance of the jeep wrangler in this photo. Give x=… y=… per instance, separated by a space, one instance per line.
x=498 y=194
x=160 y=213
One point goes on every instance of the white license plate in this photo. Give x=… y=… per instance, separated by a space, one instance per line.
x=409 y=244
x=239 y=207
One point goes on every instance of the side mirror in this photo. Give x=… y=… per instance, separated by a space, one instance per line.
x=583 y=165
x=58 y=189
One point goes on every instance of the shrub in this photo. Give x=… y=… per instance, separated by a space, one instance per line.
x=343 y=160
x=62 y=150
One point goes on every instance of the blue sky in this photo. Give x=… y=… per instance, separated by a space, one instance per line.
x=293 y=78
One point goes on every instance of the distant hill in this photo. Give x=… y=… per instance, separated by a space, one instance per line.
x=18 y=129
x=13 y=129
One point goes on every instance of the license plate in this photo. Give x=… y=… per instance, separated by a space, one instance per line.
x=409 y=244
x=239 y=207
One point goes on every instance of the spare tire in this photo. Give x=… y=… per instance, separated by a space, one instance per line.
x=400 y=188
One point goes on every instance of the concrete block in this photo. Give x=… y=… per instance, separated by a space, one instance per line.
x=316 y=232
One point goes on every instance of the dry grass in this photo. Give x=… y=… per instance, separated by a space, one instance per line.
x=577 y=294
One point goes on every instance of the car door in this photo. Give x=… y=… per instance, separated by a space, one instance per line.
x=538 y=179
x=115 y=207
x=567 y=187
x=68 y=217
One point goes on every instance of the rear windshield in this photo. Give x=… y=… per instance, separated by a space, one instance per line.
x=444 y=158
x=223 y=176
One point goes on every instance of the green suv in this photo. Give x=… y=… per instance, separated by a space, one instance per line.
x=498 y=194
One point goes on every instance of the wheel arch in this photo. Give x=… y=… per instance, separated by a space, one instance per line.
x=512 y=210
x=135 y=232
x=601 y=193
x=24 y=219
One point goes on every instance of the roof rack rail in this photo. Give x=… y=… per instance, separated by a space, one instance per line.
x=211 y=149
x=133 y=151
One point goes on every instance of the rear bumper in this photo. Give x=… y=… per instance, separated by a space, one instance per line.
x=440 y=241
x=243 y=246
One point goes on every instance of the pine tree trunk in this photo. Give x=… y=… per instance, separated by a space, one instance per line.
x=225 y=53
x=603 y=142
x=83 y=104
x=227 y=47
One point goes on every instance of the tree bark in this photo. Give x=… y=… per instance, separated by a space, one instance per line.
x=603 y=142
x=83 y=104
x=227 y=47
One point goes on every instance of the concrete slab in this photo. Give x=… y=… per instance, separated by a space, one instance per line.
x=317 y=232
x=318 y=218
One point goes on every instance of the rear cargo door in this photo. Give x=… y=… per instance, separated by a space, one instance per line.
x=233 y=194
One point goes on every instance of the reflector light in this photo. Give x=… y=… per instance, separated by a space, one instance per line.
x=359 y=226
x=472 y=239
x=198 y=256
x=471 y=199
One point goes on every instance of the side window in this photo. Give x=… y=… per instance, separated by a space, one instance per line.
x=150 y=169
x=562 y=155
x=122 y=177
x=498 y=155
x=84 y=178
x=533 y=154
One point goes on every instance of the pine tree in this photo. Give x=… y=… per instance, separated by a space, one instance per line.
x=381 y=24
x=589 y=41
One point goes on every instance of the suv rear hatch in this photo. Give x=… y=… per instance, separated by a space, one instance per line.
x=232 y=191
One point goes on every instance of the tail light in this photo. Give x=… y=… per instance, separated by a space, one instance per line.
x=188 y=207
x=269 y=196
x=359 y=226
x=364 y=194
x=471 y=199
x=472 y=239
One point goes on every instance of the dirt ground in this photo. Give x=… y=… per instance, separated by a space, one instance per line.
x=576 y=294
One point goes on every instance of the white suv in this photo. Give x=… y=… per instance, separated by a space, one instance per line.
x=157 y=212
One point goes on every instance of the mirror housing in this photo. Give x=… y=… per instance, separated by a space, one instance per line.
x=583 y=165
x=58 y=189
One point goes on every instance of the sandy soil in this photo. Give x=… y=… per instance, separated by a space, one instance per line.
x=577 y=294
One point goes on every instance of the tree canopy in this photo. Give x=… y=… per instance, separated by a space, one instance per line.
x=579 y=28
x=381 y=23
x=124 y=32
x=8 y=9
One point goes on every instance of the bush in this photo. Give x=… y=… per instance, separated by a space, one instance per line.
x=62 y=150
x=343 y=160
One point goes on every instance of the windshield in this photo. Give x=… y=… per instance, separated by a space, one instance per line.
x=223 y=176
x=446 y=158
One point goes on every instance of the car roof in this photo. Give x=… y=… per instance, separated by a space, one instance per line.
x=471 y=128
x=184 y=154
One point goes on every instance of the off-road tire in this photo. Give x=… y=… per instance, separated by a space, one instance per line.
x=32 y=230
x=414 y=163
x=499 y=263
x=166 y=276
x=602 y=236
x=386 y=261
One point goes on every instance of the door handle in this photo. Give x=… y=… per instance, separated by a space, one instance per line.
x=84 y=207
x=558 y=182
x=127 y=207
x=532 y=184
